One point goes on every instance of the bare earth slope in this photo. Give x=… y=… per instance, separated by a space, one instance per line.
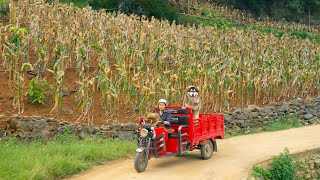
x=234 y=158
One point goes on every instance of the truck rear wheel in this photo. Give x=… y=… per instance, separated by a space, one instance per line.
x=207 y=150
x=140 y=161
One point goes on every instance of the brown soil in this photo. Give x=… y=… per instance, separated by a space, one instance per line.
x=234 y=159
x=69 y=111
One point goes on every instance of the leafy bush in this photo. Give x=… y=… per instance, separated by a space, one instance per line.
x=281 y=168
x=159 y=9
x=36 y=92
x=4 y=7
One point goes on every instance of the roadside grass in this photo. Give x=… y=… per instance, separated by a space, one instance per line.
x=287 y=123
x=57 y=159
x=283 y=124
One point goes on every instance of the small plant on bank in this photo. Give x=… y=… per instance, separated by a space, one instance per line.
x=36 y=91
x=282 y=168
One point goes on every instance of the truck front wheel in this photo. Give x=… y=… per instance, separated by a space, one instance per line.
x=140 y=161
x=207 y=150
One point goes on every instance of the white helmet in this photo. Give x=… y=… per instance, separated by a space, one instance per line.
x=162 y=101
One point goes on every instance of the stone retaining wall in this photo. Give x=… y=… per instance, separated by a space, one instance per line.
x=308 y=110
x=33 y=127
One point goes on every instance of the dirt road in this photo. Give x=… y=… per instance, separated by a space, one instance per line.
x=233 y=161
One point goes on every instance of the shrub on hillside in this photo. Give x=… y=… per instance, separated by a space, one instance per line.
x=4 y=8
x=36 y=91
x=157 y=8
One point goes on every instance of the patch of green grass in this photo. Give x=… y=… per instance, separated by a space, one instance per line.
x=283 y=124
x=57 y=159
x=218 y=22
x=185 y=19
x=78 y=3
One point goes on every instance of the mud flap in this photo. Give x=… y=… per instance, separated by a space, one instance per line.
x=215 y=148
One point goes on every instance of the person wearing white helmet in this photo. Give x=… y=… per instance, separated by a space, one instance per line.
x=165 y=116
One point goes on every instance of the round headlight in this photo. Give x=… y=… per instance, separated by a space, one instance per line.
x=144 y=132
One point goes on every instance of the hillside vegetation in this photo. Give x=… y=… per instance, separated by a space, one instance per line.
x=133 y=61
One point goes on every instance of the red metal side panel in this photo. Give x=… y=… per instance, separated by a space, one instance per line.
x=208 y=126
x=158 y=132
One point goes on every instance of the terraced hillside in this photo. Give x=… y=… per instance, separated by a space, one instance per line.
x=111 y=63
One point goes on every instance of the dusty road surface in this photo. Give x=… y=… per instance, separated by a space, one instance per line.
x=233 y=161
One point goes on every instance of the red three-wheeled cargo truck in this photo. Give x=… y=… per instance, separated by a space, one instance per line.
x=189 y=134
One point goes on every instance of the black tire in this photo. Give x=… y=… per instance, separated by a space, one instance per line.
x=140 y=161
x=207 y=150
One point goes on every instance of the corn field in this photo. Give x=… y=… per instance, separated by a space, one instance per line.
x=139 y=60
x=211 y=10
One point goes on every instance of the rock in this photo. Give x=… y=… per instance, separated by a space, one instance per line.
x=304 y=123
x=15 y=124
x=35 y=117
x=46 y=135
x=313 y=120
x=25 y=127
x=65 y=92
x=67 y=111
x=130 y=126
x=247 y=114
x=284 y=108
x=237 y=111
x=297 y=102
x=79 y=128
x=2 y=133
x=2 y=98
x=242 y=123
x=240 y=116
x=308 y=176
x=270 y=109
x=228 y=118
x=313 y=174
x=266 y=118
x=116 y=126
x=273 y=115
x=50 y=119
x=126 y=135
x=292 y=114
x=112 y=134
x=94 y=130
x=3 y=125
x=105 y=128
x=292 y=110
x=235 y=127
x=253 y=108
x=317 y=163
x=307 y=116
x=254 y=115
x=313 y=112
